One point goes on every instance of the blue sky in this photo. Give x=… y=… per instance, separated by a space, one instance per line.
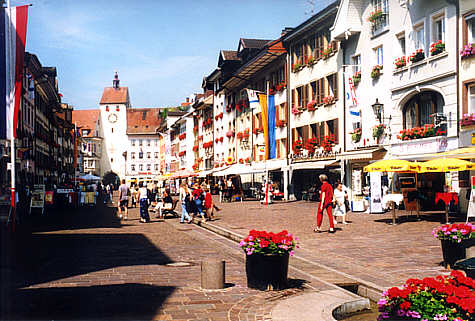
x=161 y=49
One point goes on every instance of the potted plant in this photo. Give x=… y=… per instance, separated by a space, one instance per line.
x=454 y=239
x=376 y=71
x=400 y=62
x=378 y=130
x=267 y=258
x=467 y=51
x=416 y=56
x=297 y=146
x=356 y=135
x=445 y=297
x=437 y=48
x=356 y=78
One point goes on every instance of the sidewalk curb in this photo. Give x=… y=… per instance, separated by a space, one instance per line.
x=351 y=303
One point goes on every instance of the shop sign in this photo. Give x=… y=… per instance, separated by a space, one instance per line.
x=421 y=146
x=356 y=182
x=38 y=197
x=375 y=192
x=316 y=156
x=64 y=190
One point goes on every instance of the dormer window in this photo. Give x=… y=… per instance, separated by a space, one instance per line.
x=107 y=108
x=117 y=108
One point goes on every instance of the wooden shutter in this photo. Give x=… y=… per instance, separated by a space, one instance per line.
x=260 y=120
x=335 y=85
x=335 y=129
x=285 y=112
x=293 y=98
x=321 y=89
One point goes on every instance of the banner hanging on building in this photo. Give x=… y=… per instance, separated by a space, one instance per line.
x=271 y=125
x=263 y=103
x=253 y=100
x=13 y=23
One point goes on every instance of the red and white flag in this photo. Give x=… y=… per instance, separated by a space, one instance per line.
x=13 y=22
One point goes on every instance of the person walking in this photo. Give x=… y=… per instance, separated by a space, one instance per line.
x=143 y=203
x=340 y=206
x=220 y=189
x=123 y=199
x=185 y=199
x=326 y=200
x=198 y=198
x=108 y=191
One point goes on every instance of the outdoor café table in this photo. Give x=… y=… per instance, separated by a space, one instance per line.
x=394 y=199
x=447 y=198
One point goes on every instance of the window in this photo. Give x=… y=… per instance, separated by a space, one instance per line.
x=149 y=167
x=140 y=154
x=419 y=42
x=148 y=142
x=140 y=142
x=471 y=28
x=471 y=99
x=112 y=160
x=356 y=61
x=468 y=28
x=378 y=52
x=156 y=154
x=132 y=167
x=417 y=111
x=156 y=142
x=140 y=167
x=332 y=82
x=112 y=129
x=438 y=28
x=149 y=155
x=401 y=38
x=132 y=142
x=300 y=97
x=380 y=23
x=155 y=167
x=132 y=155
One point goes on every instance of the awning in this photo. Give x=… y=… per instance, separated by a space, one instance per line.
x=183 y=173
x=314 y=165
x=235 y=169
x=463 y=152
x=365 y=154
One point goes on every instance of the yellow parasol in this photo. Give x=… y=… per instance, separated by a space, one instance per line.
x=392 y=165
x=446 y=165
x=463 y=152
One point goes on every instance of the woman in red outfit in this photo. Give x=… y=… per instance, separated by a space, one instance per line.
x=326 y=200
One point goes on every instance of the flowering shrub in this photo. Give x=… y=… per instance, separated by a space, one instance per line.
x=356 y=78
x=327 y=143
x=420 y=132
x=448 y=298
x=262 y=242
x=328 y=100
x=378 y=130
x=400 y=62
x=311 y=144
x=327 y=52
x=356 y=135
x=221 y=139
x=374 y=15
x=468 y=120
x=297 y=146
x=454 y=232
x=467 y=51
x=311 y=105
x=416 y=56
x=437 y=47
x=376 y=71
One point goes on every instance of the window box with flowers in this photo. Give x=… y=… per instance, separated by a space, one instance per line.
x=229 y=108
x=182 y=136
x=182 y=153
x=416 y=56
x=297 y=146
x=241 y=161
x=195 y=129
x=239 y=135
x=311 y=61
x=437 y=48
x=356 y=135
x=297 y=66
x=195 y=148
x=312 y=105
x=400 y=62
x=328 y=100
x=221 y=139
x=311 y=145
x=375 y=15
x=230 y=134
x=245 y=133
x=200 y=137
x=327 y=52
x=327 y=143
x=280 y=87
x=195 y=167
x=280 y=123
x=356 y=78
x=248 y=160
x=468 y=120
x=296 y=110
x=376 y=71
x=421 y=132
x=241 y=106
x=257 y=130
x=467 y=51
x=378 y=130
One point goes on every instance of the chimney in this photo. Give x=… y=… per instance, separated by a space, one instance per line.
x=285 y=31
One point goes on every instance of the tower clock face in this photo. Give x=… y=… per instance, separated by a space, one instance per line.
x=112 y=118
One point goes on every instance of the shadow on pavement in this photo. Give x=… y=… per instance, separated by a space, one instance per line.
x=128 y=301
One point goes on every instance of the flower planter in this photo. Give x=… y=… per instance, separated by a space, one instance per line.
x=267 y=272
x=452 y=252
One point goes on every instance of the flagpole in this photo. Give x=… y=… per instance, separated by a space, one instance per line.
x=266 y=148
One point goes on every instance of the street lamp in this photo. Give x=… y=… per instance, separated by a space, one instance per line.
x=378 y=109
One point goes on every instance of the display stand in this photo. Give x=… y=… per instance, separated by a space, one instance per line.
x=38 y=197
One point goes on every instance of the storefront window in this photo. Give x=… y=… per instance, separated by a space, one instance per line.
x=417 y=111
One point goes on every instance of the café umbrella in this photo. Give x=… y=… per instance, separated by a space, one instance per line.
x=392 y=165
x=446 y=165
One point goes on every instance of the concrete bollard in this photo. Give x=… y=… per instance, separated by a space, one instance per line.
x=212 y=274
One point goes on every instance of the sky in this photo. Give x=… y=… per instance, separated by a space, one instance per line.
x=161 y=49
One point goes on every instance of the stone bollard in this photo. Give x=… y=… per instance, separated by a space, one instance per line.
x=212 y=274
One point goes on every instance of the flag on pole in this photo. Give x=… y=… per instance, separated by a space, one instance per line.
x=13 y=23
x=253 y=100
x=350 y=93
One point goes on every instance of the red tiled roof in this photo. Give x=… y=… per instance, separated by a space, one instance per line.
x=115 y=96
x=229 y=55
x=143 y=120
x=86 y=119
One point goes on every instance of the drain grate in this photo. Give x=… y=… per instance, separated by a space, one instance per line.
x=179 y=264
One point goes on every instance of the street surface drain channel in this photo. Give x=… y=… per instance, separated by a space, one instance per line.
x=179 y=264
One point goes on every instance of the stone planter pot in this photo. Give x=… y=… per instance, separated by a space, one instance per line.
x=267 y=272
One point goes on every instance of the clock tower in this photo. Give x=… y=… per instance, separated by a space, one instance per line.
x=113 y=126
